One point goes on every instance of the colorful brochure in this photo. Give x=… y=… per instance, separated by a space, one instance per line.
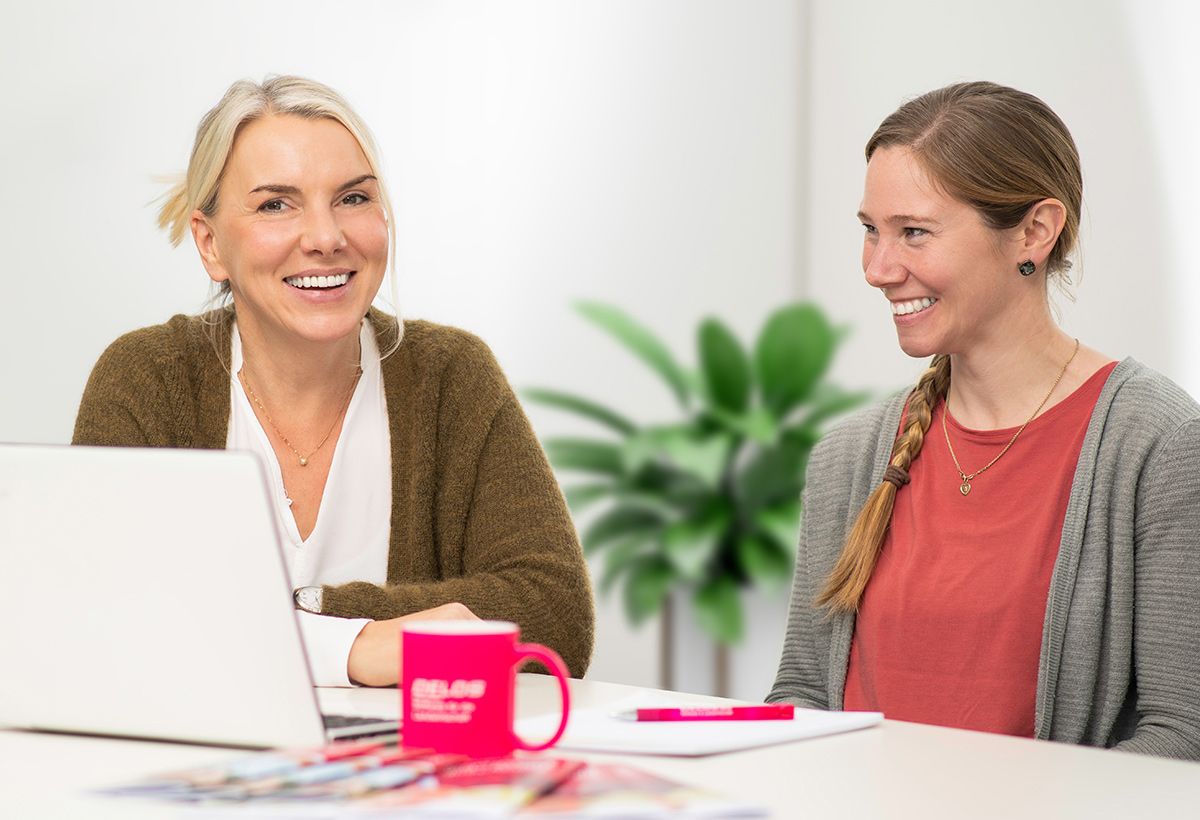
x=365 y=781
x=614 y=790
x=491 y=788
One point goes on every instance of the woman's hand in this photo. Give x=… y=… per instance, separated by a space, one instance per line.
x=375 y=655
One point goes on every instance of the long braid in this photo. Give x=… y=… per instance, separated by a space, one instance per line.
x=846 y=582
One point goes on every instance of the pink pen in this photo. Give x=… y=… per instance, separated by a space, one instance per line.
x=767 y=711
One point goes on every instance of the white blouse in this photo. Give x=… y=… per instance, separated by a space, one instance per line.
x=350 y=540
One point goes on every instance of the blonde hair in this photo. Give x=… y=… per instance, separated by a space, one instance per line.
x=245 y=102
x=1000 y=151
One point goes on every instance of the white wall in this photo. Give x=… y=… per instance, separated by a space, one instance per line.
x=637 y=151
x=1167 y=65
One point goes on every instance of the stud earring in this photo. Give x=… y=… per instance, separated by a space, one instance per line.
x=1027 y=267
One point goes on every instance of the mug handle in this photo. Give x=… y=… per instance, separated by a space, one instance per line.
x=554 y=663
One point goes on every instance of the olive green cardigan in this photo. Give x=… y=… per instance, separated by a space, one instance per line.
x=477 y=516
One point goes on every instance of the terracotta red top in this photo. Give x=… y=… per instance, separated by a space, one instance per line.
x=950 y=627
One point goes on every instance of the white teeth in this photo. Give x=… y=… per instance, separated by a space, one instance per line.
x=912 y=306
x=337 y=280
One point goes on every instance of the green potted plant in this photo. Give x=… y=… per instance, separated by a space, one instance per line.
x=709 y=504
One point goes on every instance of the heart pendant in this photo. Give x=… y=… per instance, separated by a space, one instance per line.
x=964 y=488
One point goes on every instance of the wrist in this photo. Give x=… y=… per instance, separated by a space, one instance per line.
x=361 y=663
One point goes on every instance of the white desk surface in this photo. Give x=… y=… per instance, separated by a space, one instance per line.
x=895 y=770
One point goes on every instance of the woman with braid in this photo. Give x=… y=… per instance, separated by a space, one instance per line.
x=1013 y=545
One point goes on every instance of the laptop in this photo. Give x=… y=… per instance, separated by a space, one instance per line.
x=145 y=595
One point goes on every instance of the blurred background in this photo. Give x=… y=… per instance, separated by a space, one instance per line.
x=676 y=158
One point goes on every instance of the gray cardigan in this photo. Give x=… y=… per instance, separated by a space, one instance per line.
x=1120 y=657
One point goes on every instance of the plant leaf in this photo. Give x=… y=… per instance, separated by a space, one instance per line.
x=793 y=352
x=619 y=558
x=763 y=561
x=733 y=422
x=772 y=474
x=639 y=450
x=781 y=523
x=725 y=366
x=581 y=496
x=656 y=503
x=758 y=424
x=585 y=455
x=802 y=437
x=761 y=426
x=642 y=343
x=678 y=489
x=719 y=609
x=827 y=401
x=702 y=456
x=646 y=586
x=690 y=544
x=617 y=522
x=580 y=406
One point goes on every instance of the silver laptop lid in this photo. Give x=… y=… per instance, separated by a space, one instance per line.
x=145 y=595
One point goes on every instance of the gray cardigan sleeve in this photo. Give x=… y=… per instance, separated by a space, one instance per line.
x=841 y=472
x=1166 y=626
x=844 y=468
x=800 y=679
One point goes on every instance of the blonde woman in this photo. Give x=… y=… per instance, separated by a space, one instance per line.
x=1013 y=545
x=405 y=477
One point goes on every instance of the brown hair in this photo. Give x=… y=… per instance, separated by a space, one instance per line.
x=1001 y=151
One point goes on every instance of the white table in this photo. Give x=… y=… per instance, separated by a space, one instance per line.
x=895 y=770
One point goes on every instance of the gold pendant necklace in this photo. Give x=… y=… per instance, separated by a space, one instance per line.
x=302 y=458
x=967 y=478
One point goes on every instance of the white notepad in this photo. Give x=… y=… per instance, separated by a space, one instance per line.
x=596 y=730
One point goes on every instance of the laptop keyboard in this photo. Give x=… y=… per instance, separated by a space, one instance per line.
x=338 y=721
x=352 y=725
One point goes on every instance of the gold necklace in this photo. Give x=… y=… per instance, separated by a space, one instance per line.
x=303 y=458
x=966 y=478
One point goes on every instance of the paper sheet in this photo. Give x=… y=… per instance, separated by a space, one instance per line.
x=596 y=730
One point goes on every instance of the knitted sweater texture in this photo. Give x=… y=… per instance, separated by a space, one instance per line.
x=477 y=516
x=1120 y=656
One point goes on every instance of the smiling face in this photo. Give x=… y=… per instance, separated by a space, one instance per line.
x=299 y=231
x=951 y=280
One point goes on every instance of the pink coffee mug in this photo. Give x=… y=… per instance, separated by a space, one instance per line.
x=458 y=679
